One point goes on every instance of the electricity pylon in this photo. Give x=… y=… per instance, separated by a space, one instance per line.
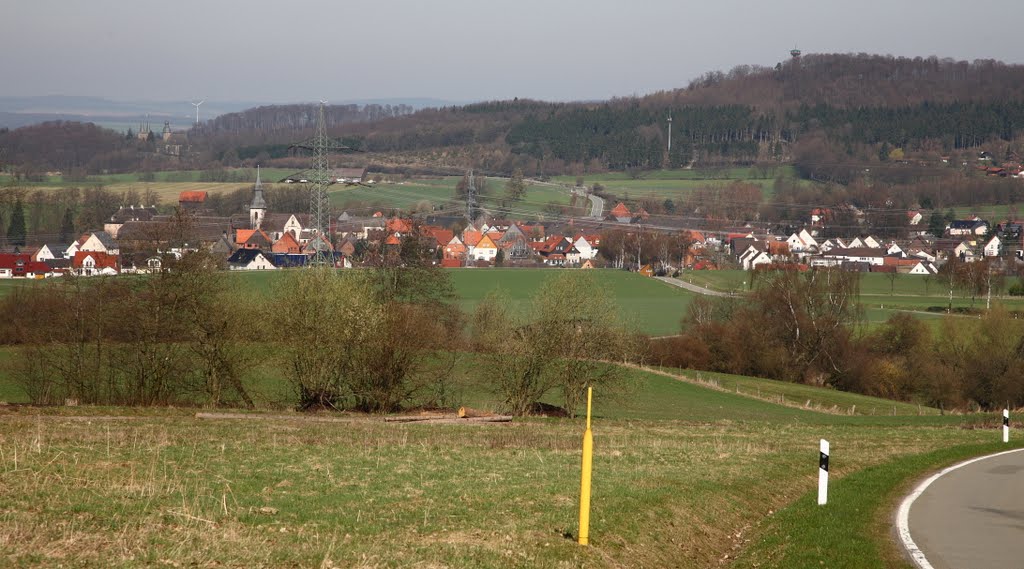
x=319 y=177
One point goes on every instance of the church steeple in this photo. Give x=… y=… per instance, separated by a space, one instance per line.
x=258 y=208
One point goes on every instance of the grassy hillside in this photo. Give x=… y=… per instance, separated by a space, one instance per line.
x=163 y=487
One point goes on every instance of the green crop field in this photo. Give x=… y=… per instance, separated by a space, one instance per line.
x=684 y=476
x=268 y=175
x=993 y=213
x=677 y=184
x=877 y=290
x=650 y=305
x=439 y=194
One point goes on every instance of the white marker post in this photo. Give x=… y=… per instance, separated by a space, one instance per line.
x=1006 y=425
x=823 y=474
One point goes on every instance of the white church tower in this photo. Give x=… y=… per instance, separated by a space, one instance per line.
x=258 y=209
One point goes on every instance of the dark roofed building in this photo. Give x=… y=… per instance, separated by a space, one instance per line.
x=194 y=230
x=968 y=227
x=250 y=260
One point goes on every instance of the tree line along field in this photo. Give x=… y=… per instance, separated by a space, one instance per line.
x=684 y=476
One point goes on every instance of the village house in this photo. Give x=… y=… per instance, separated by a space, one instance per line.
x=485 y=249
x=874 y=256
x=923 y=268
x=621 y=213
x=802 y=243
x=350 y=175
x=126 y=214
x=287 y=244
x=994 y=247
x=252 y=239
x=50 y=251
x=192 y=201
x=454 y=250
x=20 y=265
x=945 y=248
x=100 y=242
x=249 y=260
x=972 y=227
x=95 y=263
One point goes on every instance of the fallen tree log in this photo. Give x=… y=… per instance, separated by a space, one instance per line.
x=468 y=412
x=449 y=419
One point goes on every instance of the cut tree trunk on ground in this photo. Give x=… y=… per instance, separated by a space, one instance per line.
x=465 y=412
x=450 y=419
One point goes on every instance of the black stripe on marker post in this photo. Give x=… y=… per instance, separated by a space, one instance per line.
x=823 y=461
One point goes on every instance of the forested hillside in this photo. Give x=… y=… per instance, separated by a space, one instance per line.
x=859 y=103
x=831 y=115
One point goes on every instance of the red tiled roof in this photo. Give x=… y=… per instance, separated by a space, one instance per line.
x=486 y=243
x=442 y=236
x=471 y=237
x=103 y=260
x=398 y=225
x=621 y=210
x=192 y=197
x=21 y=264
x=286 y=244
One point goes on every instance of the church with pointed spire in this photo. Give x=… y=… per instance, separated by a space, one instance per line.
x=258 y=207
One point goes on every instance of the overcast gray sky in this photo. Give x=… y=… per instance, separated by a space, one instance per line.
x=460 y=50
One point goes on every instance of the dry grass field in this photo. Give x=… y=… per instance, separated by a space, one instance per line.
x=683 y=477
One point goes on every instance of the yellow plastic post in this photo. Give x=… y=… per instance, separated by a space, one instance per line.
x=588 y=458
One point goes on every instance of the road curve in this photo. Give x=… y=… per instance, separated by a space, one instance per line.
x=692 y=287
x=596 y=202
x=970 y=515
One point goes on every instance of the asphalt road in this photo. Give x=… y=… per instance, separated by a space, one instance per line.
x=596 y=203
x=973 y=517
x=692 y=287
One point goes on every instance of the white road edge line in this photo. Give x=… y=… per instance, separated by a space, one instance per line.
x=903 y=514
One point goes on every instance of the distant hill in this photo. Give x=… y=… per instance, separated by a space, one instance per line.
x=747 y=115
x=23 y=111
x=832 y=115
x=854 y=80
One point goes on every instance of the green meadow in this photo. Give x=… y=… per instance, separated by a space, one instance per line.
x=691 y=469
x=684 y=476
x=439 y=194
x=649 y=305
x=678 y=184
x=877 y=290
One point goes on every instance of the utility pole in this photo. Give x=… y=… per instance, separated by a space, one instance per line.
x=470 y=204
x=670 y=137
x=470 y=196
x=988 y=285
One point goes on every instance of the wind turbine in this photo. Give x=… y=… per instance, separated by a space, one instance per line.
x=196 y=105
